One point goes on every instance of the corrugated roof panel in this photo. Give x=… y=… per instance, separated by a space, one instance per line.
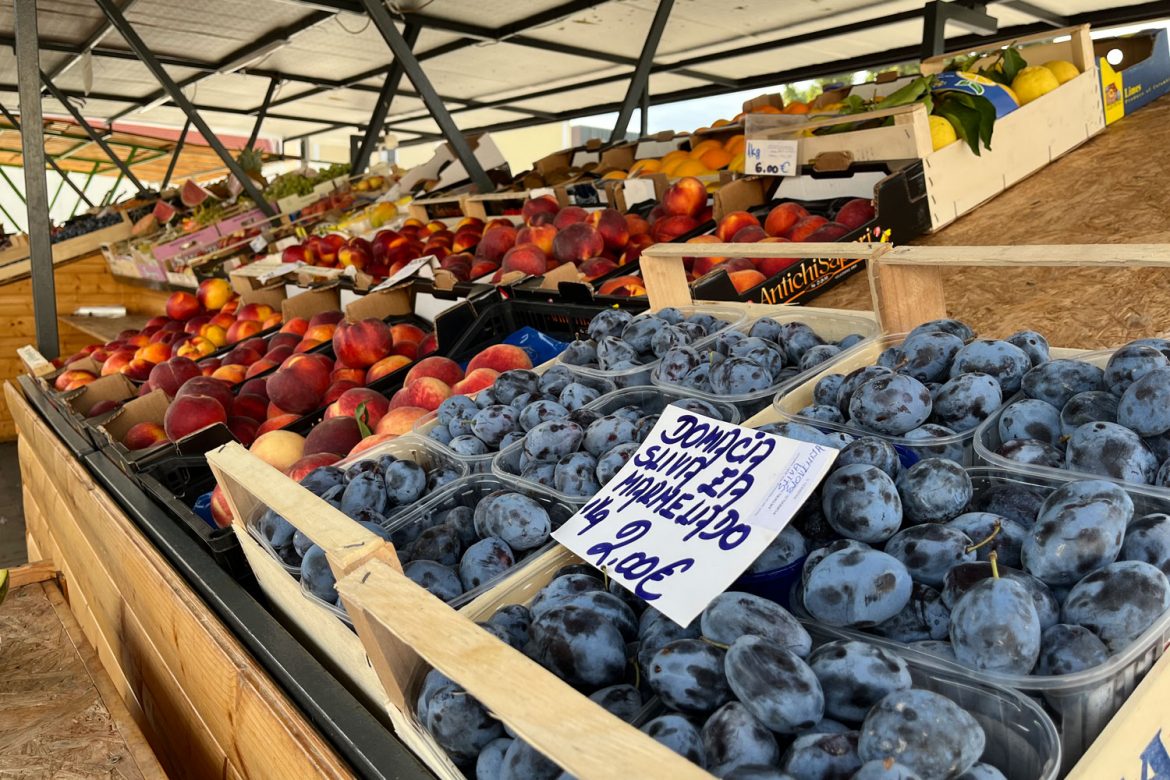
x=219 y=28
x=480 y=71
x=68 y=20
x=119 y=77
x=494 y=14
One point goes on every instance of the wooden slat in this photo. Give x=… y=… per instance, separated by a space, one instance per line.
x=31 y=573
x=185 y=666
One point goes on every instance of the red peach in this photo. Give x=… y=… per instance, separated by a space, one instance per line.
x=208 y=386
x=213 y=293
x=326 y=318
x=855 y=213
x=297 y=326
x=279 y=449
x=375 y=405
x=336 y=389
x=250 y=406
x=576 y=242
x=639 y=242
x=137 y=370
x=400 y=420
x=257 y=386
x=102 y=407
x=495 y=242
x=500 y=357
x=231 y=373
x=732 y=223
x=477 y=379
x=310 y=463
x=385 y=366
x=244 y=429
x=182 y=306
x=685 y=198
x=362 y=344
x=623 y=287
x=243 y=329
x=597 y=267
x=545 y=204
x=612 y=227
x=569 y=215
x=636 y=224
x=827 y=233
x=749 y=235
x=65 y=378
x=275 y=423
x=194 y=325
x=526 y=258
x=306 y=345
x=671 y=227
x=541 y=235
x=257 y=312
x=746 y=280
x=426 y=392
x=355 y=375
x=406 y=332
x=190 y=413
x=337 y=435
x=261 y=366
x=805 y=228
x=782 y=217
x=143 y=435
x=371 y=441
x=441 y=368
x=169 y=376
x=221 y=510
x=428 y=345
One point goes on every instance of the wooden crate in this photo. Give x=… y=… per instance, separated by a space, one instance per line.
x=907 y=282
x=958 y=181
x=440 y=207
x=666 y=281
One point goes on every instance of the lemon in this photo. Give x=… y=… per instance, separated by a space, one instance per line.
x=1063 y=70
x=1033 y=82
x=942 y=132
x=3 y=584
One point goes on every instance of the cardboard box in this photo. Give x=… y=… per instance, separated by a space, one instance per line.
x=1142 y=75
x=152 y=408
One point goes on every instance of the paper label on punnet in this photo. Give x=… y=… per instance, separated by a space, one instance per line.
x=638 y=190
x=772 y=157
x=693 y=508
x=407 y=271
x=276 y=273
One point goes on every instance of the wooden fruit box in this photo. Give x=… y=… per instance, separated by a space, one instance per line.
x=92 y=242
x=439 y=207
x=958 y=181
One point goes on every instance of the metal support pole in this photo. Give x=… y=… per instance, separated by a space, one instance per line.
x=426 y=91
x=272 y=85
x=644 y=119
x=378 y=119
x=93 y=134
x=16 y=125
x=32 y=144
x=971 y=16
x=641 y=77
x=172 y=89
x=175 y=155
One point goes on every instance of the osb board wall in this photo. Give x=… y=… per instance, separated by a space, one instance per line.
x=85 y=282
x=1112 y=190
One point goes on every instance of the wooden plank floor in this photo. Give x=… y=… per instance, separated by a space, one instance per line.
x=61 y=715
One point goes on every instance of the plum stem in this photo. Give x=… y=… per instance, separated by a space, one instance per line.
x=994 y=532
x=994 y=568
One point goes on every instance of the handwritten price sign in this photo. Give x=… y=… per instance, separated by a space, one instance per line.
x=698 y=502
x=772 y=157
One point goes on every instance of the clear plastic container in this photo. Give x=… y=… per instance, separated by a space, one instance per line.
x=798 y=393
x=1080 y=704
x=831 y=326
x=413 y=448
x=482 y=464
x=987 y=443
x=640 y=375
x=506 y=464
x=1022 y=741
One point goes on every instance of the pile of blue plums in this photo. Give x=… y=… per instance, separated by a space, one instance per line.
x=621 y=342
x=516 y=402
x=1112 y=422
x=741 y=692
x=373 y=492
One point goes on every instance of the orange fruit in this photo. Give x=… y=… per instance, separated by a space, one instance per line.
x=677 y=154
x=795 y=107
x=703 y=147
x=690 y=168
x=649 y=165
x=770 y=110
x=738 y=117
x=735 y=144
x=736 y=164
x=615 y=175
x=668 y=166
x=715 y=159
x=720 y=123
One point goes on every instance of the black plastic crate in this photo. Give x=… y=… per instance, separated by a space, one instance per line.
x=175 y=484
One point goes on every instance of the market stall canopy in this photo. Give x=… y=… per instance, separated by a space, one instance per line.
x=497 y=65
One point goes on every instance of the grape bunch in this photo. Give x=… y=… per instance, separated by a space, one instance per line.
x=83 y=224
x=1112 y=422
x=741 y=692
x=373 y=492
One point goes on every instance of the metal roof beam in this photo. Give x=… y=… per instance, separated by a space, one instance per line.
x=640 y=80
x=361 y=158
x=175 y=155
x=1050 y=18
x=176 y=94
x=93 y=40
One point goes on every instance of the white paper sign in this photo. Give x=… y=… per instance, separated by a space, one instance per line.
x=693 y=508
x=405 y=272
x=772 y=157
x=638 y=190
x=540 y=192
x=259 y=243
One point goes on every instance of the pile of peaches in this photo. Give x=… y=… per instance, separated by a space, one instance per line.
x=389 y=250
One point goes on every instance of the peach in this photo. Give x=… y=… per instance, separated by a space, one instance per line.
x=222 y=320
x=749 y=235
x=231 y=373
x=483 y=268
x=623 y=287
x=257 y=386
x=770 y=266
x=279 y=449
x=500 y=357
x=671 y=227
x=296 y=325
x=406 y=349
x=685 y=198
x=495 y=242
x=322 y=332
x=307 y=345
x=214 y=334
x=428 y=345
x=137 y=340
x=144 y=434
x=137 y=370
x=253 y=406
x=526 y=258
x=279 y=354
x=855 y=213
x=400 y=420
x=208 y=386
x=782 y=217
x=337 y=435
x=355 y=375
x=170 y=375
x=289 y=340
x=308 y=464
x=273 y=321
x=232 y=306
x=405 y=331
x=221 y=510
x=374 y=405
x=639 y=242
x=746 y=280
x=739 y=264
x=241 y=355
x=154 y=353
x=357 y=256
x=569 y=215
x=243 y=329
x=290 y=392
x=336 y=389
x=545 y=204
x=828 y=232
x=261 y=366
x=66 y=378
x=102 y=407
x=597 y=267
x=464 y=240
x=244 y=429
x=732 y=223
x=426 y=392
x=326 y=318
x=297 y=253
x=362 y=344
x=636 y=224
x=805 y=228
x=703 y=265
x=146 y=389
x=541 y=235
x=195 y=324
x=441 y=368
x=190 y=413
x=207 y=367
x=153 y=322
x=182 y=306
x=257 y=312
x=477 y=379
x=576 y=242
x=371 y=441
x=612 y=226
x=471 y=223
x=213 y=293
x=276 y=422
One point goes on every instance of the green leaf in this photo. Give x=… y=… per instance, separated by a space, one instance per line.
x=1013 y=63
x=908 y=93
x=362 y=417
x=965 y=121
x=854 y=104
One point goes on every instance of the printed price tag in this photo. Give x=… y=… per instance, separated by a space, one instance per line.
x=772 y=157
x=695 y=505
x=407 y=271
x=259 y=243
x=276 y=273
